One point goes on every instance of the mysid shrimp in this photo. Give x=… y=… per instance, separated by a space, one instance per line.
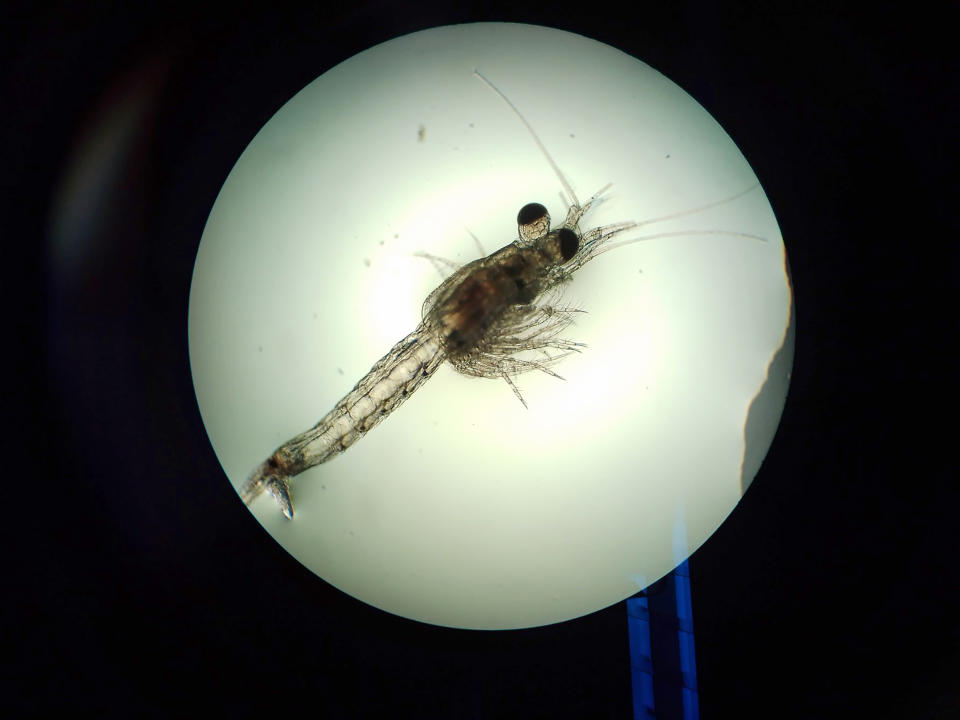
x=495 y=317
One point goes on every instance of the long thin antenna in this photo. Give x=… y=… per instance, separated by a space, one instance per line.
x=700 y=208
x=556 y=169
x=679 y=233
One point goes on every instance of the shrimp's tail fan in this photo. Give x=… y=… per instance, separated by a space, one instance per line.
x=268 y=478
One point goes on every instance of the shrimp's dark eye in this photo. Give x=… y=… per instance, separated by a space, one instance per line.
x=569 y=243
x=530 y=213
x=533 y=222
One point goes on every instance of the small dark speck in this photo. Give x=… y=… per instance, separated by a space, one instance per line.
x=396 y=235
x=350 y=531
x=314 y=316
x=667 y=156
x=323 y=487
x=421 y=132
x=381 y=242
x=340 y=371
x=259 y=348
x=572 y=135
x=471 y=124
x=366 y=261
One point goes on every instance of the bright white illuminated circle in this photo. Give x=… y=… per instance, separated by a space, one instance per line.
x=462 y=508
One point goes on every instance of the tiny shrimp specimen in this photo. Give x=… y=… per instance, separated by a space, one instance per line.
x=485 y=319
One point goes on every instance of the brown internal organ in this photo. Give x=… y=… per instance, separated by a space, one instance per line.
x=479 y=301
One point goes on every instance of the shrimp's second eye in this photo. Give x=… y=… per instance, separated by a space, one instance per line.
x=569 y=243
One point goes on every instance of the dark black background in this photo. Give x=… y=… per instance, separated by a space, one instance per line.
x=136 y=583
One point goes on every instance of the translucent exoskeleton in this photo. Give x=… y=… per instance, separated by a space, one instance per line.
x=496 y=317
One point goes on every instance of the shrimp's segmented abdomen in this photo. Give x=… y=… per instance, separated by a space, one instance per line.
x=394 y=378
